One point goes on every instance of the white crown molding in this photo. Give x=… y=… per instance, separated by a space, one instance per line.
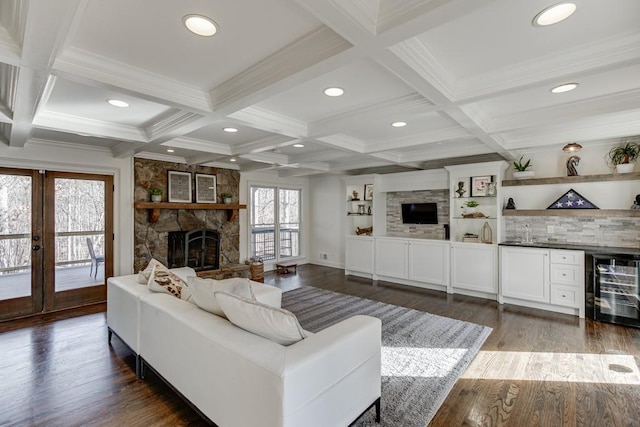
x=12 y=23
x=398 y=106
x=263 y=144
x=435 y=135
x=344 y=142
x=39 y=142
x=170 y=122
x=221 y=165
x=68 y=123
x=199 y=145
x=8 y=86
x=160 y=157
x=270 y=121
x=316 y=166
x=307 y=51
x=267 y=157
x=418 y=57
x=139 y=82
x=363 y=13
x=583 y=60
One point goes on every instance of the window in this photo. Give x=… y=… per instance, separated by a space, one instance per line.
x=273 y=239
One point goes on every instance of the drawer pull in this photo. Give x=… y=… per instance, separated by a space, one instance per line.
x=564 y=296
x=564 y=275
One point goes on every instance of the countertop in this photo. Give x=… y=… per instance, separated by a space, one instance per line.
x=592 y=250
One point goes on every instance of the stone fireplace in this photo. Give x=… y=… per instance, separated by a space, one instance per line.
x=198 y=249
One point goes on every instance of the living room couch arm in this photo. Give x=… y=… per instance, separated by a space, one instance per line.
x=336 y=369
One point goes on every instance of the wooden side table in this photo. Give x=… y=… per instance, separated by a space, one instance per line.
x=284 y=268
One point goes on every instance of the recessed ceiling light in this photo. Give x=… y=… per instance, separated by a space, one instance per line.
x=566 y=87
x=333 y=91
x=232 y=159
x=170 y=150
x=554 y=14
x=298 y=145
x=398 y=124
x=200 y=25
x=230 y=130
x=118 y=103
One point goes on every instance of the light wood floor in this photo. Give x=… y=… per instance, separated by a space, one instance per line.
x=537 y=368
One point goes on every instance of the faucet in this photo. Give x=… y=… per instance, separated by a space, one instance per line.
x=527 y=238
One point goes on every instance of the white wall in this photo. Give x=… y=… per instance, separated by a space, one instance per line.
x=73 y=158
x=271 y=178
x=328 y=218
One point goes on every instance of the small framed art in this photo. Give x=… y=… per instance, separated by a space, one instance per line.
x=205 y=188
x=179 y=186
x=368 y=192
x=479 y=185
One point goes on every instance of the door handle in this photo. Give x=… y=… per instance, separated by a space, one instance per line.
x=36 y=247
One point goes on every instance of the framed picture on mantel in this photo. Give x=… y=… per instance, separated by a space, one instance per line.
x=179 y=186
x=205 y=188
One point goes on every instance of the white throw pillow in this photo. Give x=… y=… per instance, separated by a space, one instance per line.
x=163 y=280
x=204 y=291
x=275 y=324
x=143 y=275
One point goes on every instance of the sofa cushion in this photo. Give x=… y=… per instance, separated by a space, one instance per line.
x=163 y=280
x=275 y=324
x=204 y=290
x=143 y=275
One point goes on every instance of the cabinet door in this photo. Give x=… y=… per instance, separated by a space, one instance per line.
x=473 y=267
x=391 y=258
x=524 y=273
x=359 y=254
x=429 y=262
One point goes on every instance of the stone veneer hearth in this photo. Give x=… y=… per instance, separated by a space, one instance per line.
x=151 y=240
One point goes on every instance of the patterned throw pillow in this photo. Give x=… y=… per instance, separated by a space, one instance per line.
x=143 y=275
x=275 y=324
x=162 y=280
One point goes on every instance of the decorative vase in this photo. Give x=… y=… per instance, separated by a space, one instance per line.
x=226 y=200
x=523 y=174
x=486 y=234
x=156 y=198
x=468 y=210
x=625 y=167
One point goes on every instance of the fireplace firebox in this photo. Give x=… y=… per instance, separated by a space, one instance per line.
x=198 y=249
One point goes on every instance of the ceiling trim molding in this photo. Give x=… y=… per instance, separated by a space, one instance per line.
x=263 y=144
x=387 y=144
x=345 y=142
x=160 y=157
x=267 y=157
x=417 y=56
x=143 y=83
x=8 y=87
x=188 y=143
x=586 y=59
x=270 y=121
x=221 y=165
x=309 y=50
x=363 y=13
x=74 y=124
x=167 y=123
x=12 y=12
x=40 y=142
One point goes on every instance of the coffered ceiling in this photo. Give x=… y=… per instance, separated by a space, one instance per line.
x=471 y=79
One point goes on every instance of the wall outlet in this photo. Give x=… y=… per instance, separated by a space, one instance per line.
x=323 y=255
x=550 y=229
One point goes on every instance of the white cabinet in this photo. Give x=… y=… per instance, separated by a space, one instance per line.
x=429 y=262
x=525 y=273
x=543 y=278
x=359 y=254
x=415 y=262
x=391 y=257
x=474 y=268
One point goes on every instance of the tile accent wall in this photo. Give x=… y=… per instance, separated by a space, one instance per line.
x=621 y=232
x=395 y=227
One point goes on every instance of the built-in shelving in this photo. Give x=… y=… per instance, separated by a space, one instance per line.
x=592 y=213
x=154 y=208
x=572 y=179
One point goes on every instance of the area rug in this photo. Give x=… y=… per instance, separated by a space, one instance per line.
x=422 y=354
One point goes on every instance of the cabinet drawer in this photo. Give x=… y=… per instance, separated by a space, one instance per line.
x=567 y=257
x=566 y=274
x=564 y=296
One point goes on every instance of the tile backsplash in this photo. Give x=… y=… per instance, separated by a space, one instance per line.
x=621 y=232
x=395 y=227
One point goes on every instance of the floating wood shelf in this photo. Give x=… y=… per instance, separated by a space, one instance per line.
x=572 y=179
x=594 y=213
x=154 y=207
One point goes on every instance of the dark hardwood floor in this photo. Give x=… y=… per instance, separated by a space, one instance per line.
x=537 y=367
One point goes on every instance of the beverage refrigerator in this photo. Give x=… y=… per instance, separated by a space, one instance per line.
x=616 y=286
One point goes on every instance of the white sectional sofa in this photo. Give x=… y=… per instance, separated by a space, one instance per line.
x=236 y=378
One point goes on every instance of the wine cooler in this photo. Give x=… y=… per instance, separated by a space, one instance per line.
x=617 y=289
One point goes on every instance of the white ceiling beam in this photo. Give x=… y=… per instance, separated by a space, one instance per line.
x=386 y=144
x=267 y=157
x=270 y=142
x=269 y=121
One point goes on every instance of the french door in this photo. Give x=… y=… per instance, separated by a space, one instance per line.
x=56 y=240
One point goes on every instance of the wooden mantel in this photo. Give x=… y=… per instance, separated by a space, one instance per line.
x=154 y=207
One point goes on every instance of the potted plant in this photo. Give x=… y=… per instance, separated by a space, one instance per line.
x=226 y=198
x=470 y=206
x=521 y=168
x=623 y=157
x=156 y=194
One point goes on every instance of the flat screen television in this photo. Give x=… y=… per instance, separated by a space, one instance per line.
x=419 y=213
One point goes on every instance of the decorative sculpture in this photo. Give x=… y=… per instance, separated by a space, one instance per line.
x=510 y=204
x=461 y=189
x=636 y=203
x=572 y=164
